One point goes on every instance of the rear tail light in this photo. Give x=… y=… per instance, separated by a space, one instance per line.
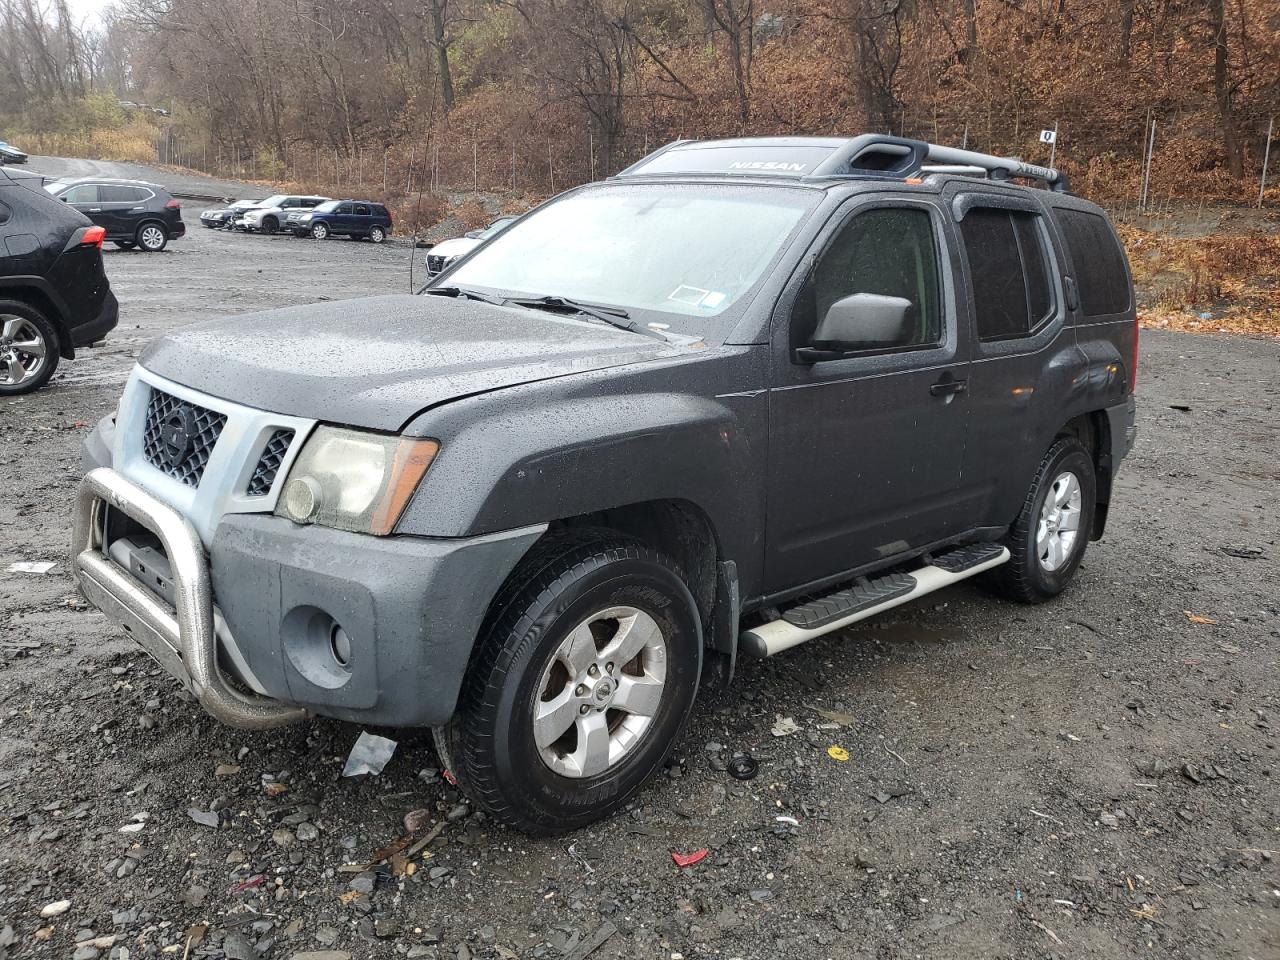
x=173 y=205
x=1133 y=363
x=93 y=237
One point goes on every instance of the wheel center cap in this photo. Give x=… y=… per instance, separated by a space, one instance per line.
x=603 y=691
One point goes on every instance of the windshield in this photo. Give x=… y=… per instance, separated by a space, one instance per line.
x=328 y=206
x=677 y=249
x=274 y=201
x=496 y=227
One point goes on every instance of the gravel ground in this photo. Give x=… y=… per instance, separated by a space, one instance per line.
x=1092 y=777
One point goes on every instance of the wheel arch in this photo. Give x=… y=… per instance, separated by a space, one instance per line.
x=1093 y=430
x=33 y=291
x=157 y=221
x=679 y=528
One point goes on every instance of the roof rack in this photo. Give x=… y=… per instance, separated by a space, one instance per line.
x=867 y=156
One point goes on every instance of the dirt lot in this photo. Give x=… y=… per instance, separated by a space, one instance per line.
x=1094 y=777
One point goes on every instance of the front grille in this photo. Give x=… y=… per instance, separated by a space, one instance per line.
x=264 y=474
x=179 y=437
x=435 y=263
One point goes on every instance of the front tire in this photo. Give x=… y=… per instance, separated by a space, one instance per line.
x=1047 y=541
x=152 y=238
x=28 y=348
x=270 y=225
x=124 y=244
x=583 y=678
x=320 y=231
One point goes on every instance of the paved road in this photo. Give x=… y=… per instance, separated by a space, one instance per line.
x=1016 y=786
x=176 y=182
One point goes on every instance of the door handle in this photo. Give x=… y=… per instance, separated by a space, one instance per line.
x=946 y=388
x=95 y=209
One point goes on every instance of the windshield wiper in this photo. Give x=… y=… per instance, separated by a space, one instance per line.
x=613 y=316
x=463 y=292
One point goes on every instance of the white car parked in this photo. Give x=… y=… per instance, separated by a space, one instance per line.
x=447 y=251
x=271 y=213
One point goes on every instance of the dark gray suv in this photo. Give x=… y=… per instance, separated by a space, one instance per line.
x=745 y=393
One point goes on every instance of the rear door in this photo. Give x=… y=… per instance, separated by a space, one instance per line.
x=1025 y=362
x=866 y=450
x=122 y=208
x=361 y=218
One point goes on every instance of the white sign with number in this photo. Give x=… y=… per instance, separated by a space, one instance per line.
x=1048 y=136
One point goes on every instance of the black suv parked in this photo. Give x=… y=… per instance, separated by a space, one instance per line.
x=742 y=395
x=134 y=213
x=54 y=294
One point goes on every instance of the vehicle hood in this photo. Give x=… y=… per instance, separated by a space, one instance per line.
x=378 y=362
x=455 y=247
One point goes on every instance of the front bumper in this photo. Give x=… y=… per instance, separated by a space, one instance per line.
x=91 y=331
x=180 y=639
x=410 y=610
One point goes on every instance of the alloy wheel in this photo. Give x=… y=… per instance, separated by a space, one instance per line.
x=1059 y=525
x=23 y=351
x=598 y=696
x=151 y=237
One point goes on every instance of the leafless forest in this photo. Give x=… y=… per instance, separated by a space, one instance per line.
x=542 y=93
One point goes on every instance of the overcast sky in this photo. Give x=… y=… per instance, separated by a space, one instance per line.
x=87 y=10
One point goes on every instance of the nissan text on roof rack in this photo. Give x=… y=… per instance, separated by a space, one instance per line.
x=737 y=397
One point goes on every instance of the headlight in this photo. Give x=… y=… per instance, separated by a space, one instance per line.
x=353 y=480
x=304 y=216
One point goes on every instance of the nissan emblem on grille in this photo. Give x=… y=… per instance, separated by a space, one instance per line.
x=179 y=436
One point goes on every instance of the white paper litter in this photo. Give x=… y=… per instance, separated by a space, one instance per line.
x=369 y=755
x=29 y=566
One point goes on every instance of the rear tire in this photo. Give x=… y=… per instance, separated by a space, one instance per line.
x=28 y=348
x=377 y=234
x=583 y=677
x=1047 y=541
x=151 y=238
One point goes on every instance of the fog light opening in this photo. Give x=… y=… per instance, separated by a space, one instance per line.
x=340 y=645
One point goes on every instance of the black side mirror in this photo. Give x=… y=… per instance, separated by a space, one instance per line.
x=863 y=321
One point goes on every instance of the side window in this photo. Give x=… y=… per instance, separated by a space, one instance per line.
x=288 y=203
x=82 y=193
x=344 y=208
x=310 y=203
x=114 y=193
x=1009 y=271
x=890 y=251
x=361 y=210
x=1098 y=261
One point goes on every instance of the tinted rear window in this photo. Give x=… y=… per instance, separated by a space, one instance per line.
x=1098 y=260
x=115 y=193
x=1008 y=271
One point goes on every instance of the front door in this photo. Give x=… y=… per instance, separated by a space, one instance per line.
x=866 y=449
x=84 y=197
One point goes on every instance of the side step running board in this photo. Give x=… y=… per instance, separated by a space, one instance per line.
x=851 y=604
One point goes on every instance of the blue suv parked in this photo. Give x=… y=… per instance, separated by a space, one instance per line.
x=352 y=218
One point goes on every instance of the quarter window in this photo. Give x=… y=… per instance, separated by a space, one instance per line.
x=1008 y=270
x=890 y=251
x=1098 y=260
